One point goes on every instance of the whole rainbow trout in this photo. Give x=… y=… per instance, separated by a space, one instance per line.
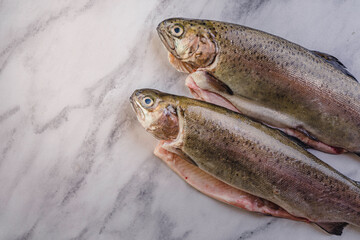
x=251 y=157
x=307 y=94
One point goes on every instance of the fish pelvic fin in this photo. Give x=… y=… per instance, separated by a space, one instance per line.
x=335 y=62
x=295 y=140
x=334 y=228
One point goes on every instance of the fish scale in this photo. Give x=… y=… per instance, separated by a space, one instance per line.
x=251 y=157
x=236 y=150
x=309 y=92
x=217 y=189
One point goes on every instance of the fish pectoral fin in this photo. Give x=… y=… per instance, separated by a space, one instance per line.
x=208 y=82
x=334 y=228
x=187 y=158
x=181 y=154
x=335 y=62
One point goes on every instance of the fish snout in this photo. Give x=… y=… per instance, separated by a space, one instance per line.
x=161 y=30
x=162 y=26
x=165 y=36
x=159 y=27
x=134 y=98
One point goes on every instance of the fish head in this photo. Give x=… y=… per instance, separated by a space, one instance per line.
x=157 y=113
x=189 y=41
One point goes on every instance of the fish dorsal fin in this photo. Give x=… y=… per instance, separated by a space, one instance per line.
x=335 y=62
x=334 y=228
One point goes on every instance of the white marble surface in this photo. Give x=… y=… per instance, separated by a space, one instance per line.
x=75 y=163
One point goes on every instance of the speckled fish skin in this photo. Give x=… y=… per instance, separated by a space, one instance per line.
x=305 y=91
x=259 y=160
x=217 y=189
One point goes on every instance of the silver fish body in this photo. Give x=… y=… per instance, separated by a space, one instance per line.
x=254 y=158
x=270 y=79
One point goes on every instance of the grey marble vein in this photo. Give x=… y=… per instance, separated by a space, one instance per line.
x=74 y=161
x=36 y=27
x=9 y=113
x=32 y=30
x=139 y=189
x=29 y=234
x=260 y=229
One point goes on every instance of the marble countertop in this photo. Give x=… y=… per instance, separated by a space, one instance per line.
x=74 y=161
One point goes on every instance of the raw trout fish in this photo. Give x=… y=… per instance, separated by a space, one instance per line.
x=217 y=189
x=247 y=156
x=307 y=94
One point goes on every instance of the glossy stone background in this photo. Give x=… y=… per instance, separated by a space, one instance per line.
x=75 y=163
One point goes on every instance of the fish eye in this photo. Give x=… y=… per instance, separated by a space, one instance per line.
x=147 y=101
x=177 y=30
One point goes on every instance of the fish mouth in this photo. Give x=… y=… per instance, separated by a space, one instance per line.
x=161 y=118
x=169 y=44
x=172 y=51
x=165 y=38
x=136 y=107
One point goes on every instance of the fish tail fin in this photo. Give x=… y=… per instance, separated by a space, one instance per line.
x=335 y=228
